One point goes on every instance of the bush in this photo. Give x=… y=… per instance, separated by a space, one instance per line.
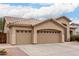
x=3 y=52
x=74 y=38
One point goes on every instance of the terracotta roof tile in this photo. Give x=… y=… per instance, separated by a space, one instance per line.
x=17 y=21
x=27 y=22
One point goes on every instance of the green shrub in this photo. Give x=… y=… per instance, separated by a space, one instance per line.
x=77 y=38
x=74 y=38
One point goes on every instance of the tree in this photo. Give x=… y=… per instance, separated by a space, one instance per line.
x=2 y=23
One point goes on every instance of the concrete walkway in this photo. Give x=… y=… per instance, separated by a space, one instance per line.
x=15 y=52
x=12 y=50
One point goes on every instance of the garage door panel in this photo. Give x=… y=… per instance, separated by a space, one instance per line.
x=48 y=36
x=23 y=37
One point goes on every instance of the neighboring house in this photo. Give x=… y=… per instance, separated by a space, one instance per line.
x=75 y=25
x=28 y=31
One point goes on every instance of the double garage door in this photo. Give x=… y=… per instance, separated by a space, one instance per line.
x=48 y=36
x=43 y=36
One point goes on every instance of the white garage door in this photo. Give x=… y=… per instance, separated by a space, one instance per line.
x=23 y=37
x=48 y=36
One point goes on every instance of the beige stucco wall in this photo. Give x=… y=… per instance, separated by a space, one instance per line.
x=8 y=36
x=6 y=29
x=48 y=25
x=64 y=21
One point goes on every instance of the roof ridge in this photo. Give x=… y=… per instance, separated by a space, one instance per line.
x=20 y=18
x=63 y=17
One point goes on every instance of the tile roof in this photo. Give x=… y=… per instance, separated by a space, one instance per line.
x=25 y=22
x=30 y=22
x=17 y=21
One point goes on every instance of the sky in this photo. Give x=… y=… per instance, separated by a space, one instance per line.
x=40 y=10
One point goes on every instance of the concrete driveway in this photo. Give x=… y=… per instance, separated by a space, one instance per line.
x=55 y=49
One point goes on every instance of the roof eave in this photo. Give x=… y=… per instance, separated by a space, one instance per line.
x=19 y=25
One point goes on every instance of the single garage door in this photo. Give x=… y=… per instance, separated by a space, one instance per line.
x=23 y=37
x=48 y=36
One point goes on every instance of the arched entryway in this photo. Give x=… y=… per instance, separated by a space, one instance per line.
x=48 y=36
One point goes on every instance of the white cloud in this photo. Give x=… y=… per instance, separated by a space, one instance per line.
x=53 y=10
x=75 y=20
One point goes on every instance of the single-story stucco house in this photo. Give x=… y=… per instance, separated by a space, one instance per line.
x=28 y=31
